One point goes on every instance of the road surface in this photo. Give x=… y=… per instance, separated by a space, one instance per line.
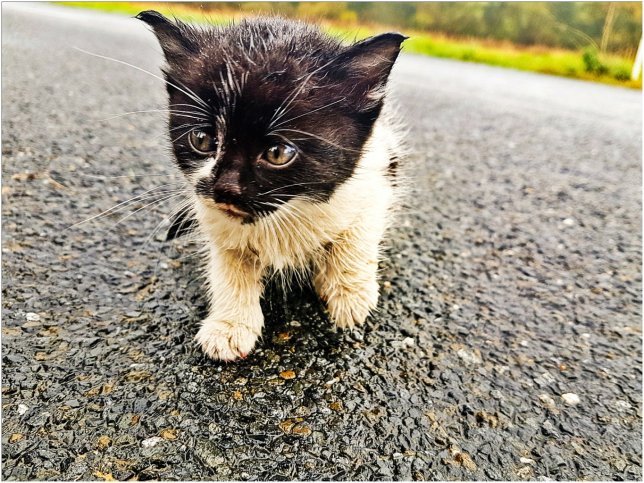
x=508 y=340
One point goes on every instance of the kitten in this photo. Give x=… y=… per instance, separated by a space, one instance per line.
x=281 y=133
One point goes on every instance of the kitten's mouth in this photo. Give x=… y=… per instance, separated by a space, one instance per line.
x=232 y=210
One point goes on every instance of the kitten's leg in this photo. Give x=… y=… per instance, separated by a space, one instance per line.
x=347 y=275
x=235 y=320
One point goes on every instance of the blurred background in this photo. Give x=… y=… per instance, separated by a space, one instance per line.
x=595 y=41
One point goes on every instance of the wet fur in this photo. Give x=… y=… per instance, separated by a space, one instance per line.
x=324 y=217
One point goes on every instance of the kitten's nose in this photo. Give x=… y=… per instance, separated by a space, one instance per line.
x=227 y=188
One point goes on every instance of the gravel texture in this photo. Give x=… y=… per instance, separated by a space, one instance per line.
x=508 y=340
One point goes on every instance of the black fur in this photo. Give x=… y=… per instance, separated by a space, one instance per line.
x=245 y=73
x=182 y=224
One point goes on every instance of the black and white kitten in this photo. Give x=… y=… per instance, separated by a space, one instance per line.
x=281 y=133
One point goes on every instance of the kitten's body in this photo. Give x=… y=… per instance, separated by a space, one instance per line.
x=324 y=211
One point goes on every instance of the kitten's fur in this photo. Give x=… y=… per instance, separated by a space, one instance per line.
x=274 y=82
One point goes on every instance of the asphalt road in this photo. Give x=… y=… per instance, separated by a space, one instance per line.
x=508 y=341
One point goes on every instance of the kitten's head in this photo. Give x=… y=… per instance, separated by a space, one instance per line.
x=267 y=110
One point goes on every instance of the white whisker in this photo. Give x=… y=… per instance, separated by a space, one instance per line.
x=310 y=112
x=155 y=202
x=316 y=137
x=191 y=114
x=117 y=207
x=186 y=91
x=181 y=205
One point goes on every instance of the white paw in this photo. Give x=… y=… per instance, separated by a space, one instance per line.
x=351 y=308
x=226 y=341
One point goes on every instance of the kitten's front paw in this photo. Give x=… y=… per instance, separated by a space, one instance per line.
x=225 y=340
x=349 y=308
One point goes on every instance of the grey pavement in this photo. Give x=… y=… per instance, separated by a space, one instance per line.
x=507 y=344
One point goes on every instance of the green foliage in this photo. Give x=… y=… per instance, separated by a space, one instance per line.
x=622 y=74
x=568 y=25
x=599 y=65
x=565 y=34
x=592 y=63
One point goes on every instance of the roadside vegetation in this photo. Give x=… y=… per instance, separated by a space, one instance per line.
x=594 y=41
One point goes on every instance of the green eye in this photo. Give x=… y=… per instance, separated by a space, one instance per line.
x=202 y=142
x=280 y=154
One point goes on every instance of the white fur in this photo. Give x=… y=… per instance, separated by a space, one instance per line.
x=205 y=170
x=339 y=240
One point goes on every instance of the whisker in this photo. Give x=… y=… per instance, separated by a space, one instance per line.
x=317 y=137
x=310 y=112
x=180 y=206
x=188 y=126
x=290 y=186
x=125 y=176
x=194 y=106
x=186 y=91
x=143 y=207
x=177 y=113
x=112 y=209
x=176 y=139
x=281 y=111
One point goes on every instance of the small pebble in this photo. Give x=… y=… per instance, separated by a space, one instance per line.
x=469 y=357
x=466 y=460
x=150 y=442
x=32 y=317
x=525 y=472
x=301 y=430
x=16 y=437
x=337 y=406
x=287 y=375
x=622 y=405
x=103 y=442
x=169 y=434
x=526 y=461
x=22 y=409
x=571 y=399
x=547 y=400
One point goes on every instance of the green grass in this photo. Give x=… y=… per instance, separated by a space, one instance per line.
x=609 y=69
x=613 y=70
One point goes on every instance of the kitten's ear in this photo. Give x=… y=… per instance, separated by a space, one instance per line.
x=174 y=37
x=368 y=64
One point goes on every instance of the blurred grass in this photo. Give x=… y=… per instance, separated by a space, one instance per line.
x=612 y=70
x=586 y=65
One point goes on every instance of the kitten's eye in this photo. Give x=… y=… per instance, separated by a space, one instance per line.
x=280 y=154
x=202 y=142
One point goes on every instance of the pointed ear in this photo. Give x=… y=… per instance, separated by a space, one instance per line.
x=368 y=64
x=175 y=37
